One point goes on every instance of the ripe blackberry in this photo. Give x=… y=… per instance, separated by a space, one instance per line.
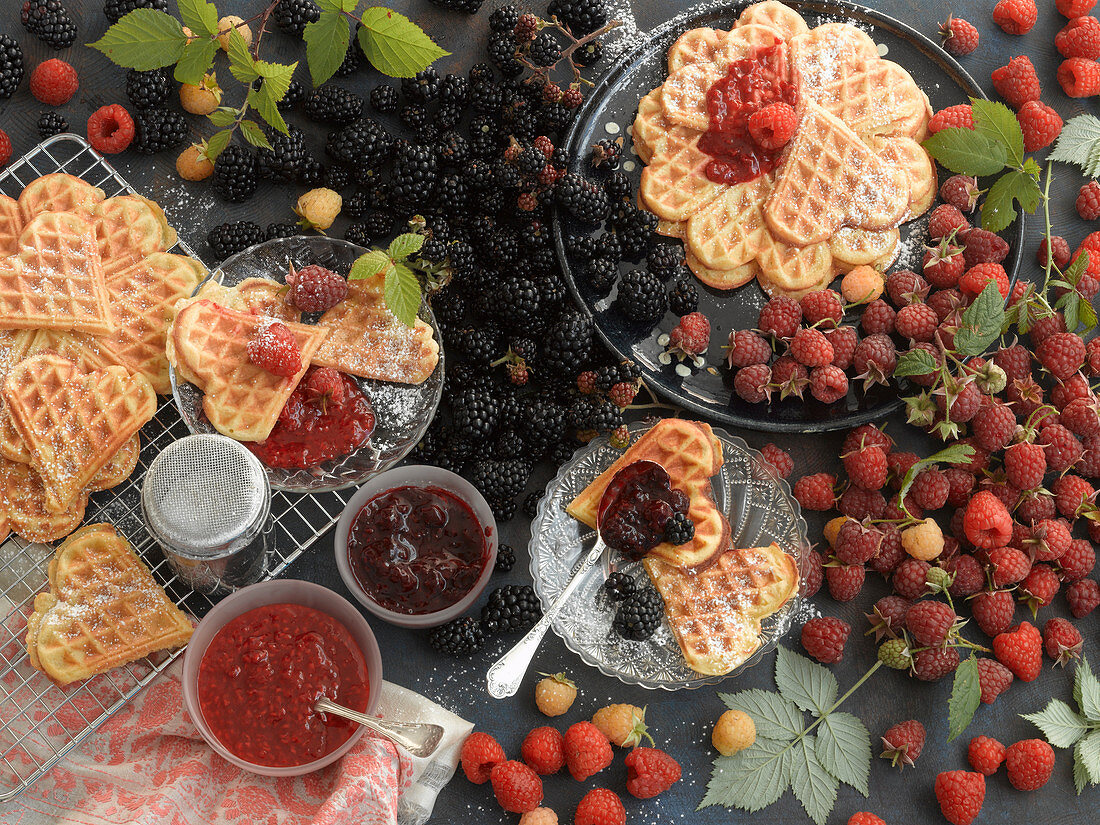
x=639 y=615
x=683 y=297
x=415 y=117
x=230 y=238
x=157 y=130
x=568 y=344
x=512 y=607
x=619 y=586
x=352 y=62
x=454 y=150
x=338 y=179
x=447 y=116
x=281 y=230
x=115 y=10
x=600 y=274
x=606 y=154
x=49 y=21
x=502 y=54
x=506 y=559
x=11 y=66
x=634 y=232
x=581 y=247
x=460 y=637
x=332 y=104
x=503 y=509
x=618 y=187
x=362 y=144
x=283 y=160
x=461 y=6
x=531 y=503
x=234 y=178
x=384 y=99
x=358 y=234
x=379 y=224
x=311 y=172
x=454 y=89
x=543 y=423
x=581 y=16
x=545 y=50
x=415 y=173
x=499 y=479
x=50 y=124
x=509 y=444
x=450 y=196
x=148 y=89
x=295 y=93
x=589 y=54
x=504 y=19
x=680 y=529
x=641 y=296
x=485 y=137
x=421 y=87
x=475 y=412
x=585 y=199
x=292 y=16
x=665 y=259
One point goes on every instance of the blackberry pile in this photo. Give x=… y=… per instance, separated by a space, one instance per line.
x=230 y=238
x=235 y=174
x=157 y=130
x=115 y=10
x=508 y=609
x=292 y=16
x=147 y=90
x=49 y=21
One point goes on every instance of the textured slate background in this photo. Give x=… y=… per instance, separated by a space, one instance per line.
x=680 y=722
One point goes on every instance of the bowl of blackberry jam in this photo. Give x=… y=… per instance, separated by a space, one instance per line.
x=416 y=545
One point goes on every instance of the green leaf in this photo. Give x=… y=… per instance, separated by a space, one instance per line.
x=224 y=116
x=774 y=716
x=370 y=264
x=812 y=687
x=266 y=98
x=966 y=694
x=1086 y=691
x=1077 y=267
x=1079 y=144
x=915 y=362
x=254 y=134
x=997 y=122
x=326 y=45
x=1080 y=772
x=394 y=44
x=331 y=5
x=216 y=143
x=241 y=64
x=981 y=322
x=1070 y=304
x=405 y=245
x=144 y=39
x=750 y=780
x=844 y=749
x=197 y=60
x=1088 y=318
x=1012 y=186
x=199 y=16
x=1060 y=724
x=966 y=151
x=814 y=786
x=1086 y=753
x=402 y=294
x=1032 y=167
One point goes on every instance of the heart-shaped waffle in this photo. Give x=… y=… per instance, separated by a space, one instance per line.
x=11 y=225
x=700 y=45
x=784 y=19
x=58 y=192
x=23 y=504
x=129 y=228
x=258 y=296
x=728 y=231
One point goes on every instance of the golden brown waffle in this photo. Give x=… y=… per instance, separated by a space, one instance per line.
x=852 y=247
x=58 y=193
x=909 y=156
x=674 y=184
x=690 y=454
x=716 y=613
x=11 y=225
x=700 y=45
x=784 y=19
x=259 y=296
x=208 y=346
x=23 y=502
x=367 y=340
x=722 y=278
x=103 y=609
x=129 y=228
x=73 y=423
x=119 y=468
x=794 y=271
x=729 y=230
x=650 y=125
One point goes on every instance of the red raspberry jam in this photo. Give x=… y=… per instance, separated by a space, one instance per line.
x=308 y=433
x=751 y=84
x=417 y=550
x=261 y=675
x=636 y=507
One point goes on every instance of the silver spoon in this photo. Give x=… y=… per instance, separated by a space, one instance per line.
x=419 y=738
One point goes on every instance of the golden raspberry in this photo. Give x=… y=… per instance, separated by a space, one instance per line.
x=202 y=99
x=924 y=540
x=318 y=208
x=539 y=816
x=623 y=725
x=192 y=164
x=733 y=732
x=832 y=529
x=555 y=694
x=232 y=21
x=862 y=284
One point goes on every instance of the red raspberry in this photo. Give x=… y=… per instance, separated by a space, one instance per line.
x=857 y=543
x=969 y=577
x=993 y=426
x=1049 y=539
x=1015 y=361
x=824 y=638
x=890 y=553
x=900 y=463
x=1029 y=764
x=875 y=359
x=903 y=742
x=987 y=522
x=110 y=129
x=910 y=579
x=1020 y=649
x=960 y=794
x=932 y=664
x=1062 y=448
x=994 y=678
x=984 y=247
x=929 y=622
x=1078 y=561
x=1079 y=77
x=517 y=788
x=977 y=278
x=828 y=383
x=543 y=750
x=649 y=772
x=878 y=317
x=917 y=322
x=845 y=581
x=325 y=387
x=1061 y=641
x=1017 y=81
x=823 y=308
x=773 y=126
x=994 y=611
x=943 y=264
x=747 y=348
x=587 y=751
x=844 y=341
x=1015 y=16
x=1076 y=386
x=944 y=220
x=1045 y=327
x=961 y=116
x=866 y=435
x=906 y=287
x=810 y=347
x=1074 y=8
x=479 y=755
x=867 y=467
x=276 y=350
x=1041 y=124
x=1088 y=198
x=753 y=383
x=959 y=36
x=1080 y=416
x=1083 y=597
x=888 y=617
x=1010 y=565
x=789 y=377
x=778 y=458
x=1061 y=252
x=1062 y=354
x=1039 y=587
x=815 y=492
x=622 y=393
x=961 y=191
x=780 y=317
x=813 y=573
x=54 y=82
x=5 y=148
x=960 y=486
x=1092 y=357
x=1073 y=496
x=985 y=755
x=315 y=289
x=691 y=335
x=600 y=807
x=930 y=489
x=860 y=504
x=865 y=818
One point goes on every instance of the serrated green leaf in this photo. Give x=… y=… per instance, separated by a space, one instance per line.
x=1012 y=187
x=1060 y=724
x=997 y=122
x=241 y=64
x=266 y=98
x=224 y=116
x=405 y=245
x=774 y=716
x=1071 y=306
x=1086 y=691
x=330 y=5
x=1032 y=167
x=395 y=45
x=144 y=39
x=1086 y=754
x=1080 y=773
x=1077 y=267
x=981 y=322
x=812 y=687
x=966 y=152
x=1088 y=319
x=915 y=362
x=402 y=293
x=326 y=45
x=199 y=16
x=844 y=749
x=370 y=264
x=252 y=132
x=1079 y=144
x=966 y=694
x=216 y=143
x=750 y=780
x=197 y=60
x=814 y=786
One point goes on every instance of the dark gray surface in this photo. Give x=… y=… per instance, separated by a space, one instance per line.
x=680 y=722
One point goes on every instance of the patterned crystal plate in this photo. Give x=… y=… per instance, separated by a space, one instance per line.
x=760 y=509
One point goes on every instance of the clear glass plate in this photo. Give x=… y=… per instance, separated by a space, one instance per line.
x=760 y=509
x=402 y=411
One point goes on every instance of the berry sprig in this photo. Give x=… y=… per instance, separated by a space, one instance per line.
x=397 y=265
x=1065 y=727
x=540 y=52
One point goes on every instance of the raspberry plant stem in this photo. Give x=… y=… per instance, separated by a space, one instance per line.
x=825 y=715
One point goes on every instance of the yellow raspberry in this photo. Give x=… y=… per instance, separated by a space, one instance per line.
x=539 y=816
x=924 y=540
x=623 y=725
x=864 y=283
x=192 y=164
x=832 y=529
x=555 y=694
x=232 y=21
x=733 y=732
x=318 y=208
x=202 y=99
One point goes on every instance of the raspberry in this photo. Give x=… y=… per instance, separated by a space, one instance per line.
x=789 y=377
x=1079 y=77
x=812 y=575
x=961 y=116
x=539 y=816
x=600 y=807
x=960 y=486
x=315 y=289
x=877 y=318
x=325 y=387
x=917 y=322
x=903 y=742
x=1061 y=252
x=985 y=755
x=858 y=503
x=54 y=82
x=587 y=751
x=845 y=581
x=1061 y=641
x=1020 y=649
x=650 y=771
x=978 y=277
x=984 y=247
x=110 y=129
x=865 y=818
x=875 y=359
x=923 y=540
x=943 y=264
x=993 y=611
x=554 y=694
x=753 y=383
x=1045 y=327
x=517 y=788
x=1039 y=587
x=1062 y=448
x=1073 y=496
x=960 y=794
x=318 y=208
x=1015 y=361
x=479 y=755
x=961 y=191
x=994 y=679
x=747 y=348
x=932 y=664
x=1061 y=354
x=1083 y=597
x=1074 y=8
x=815 y=492
x=780 y=317
x=773 y=125
x=906 y=287
x=866 y=468
x=822 y=308
x=959 y=36
x=910 y=579
x=866 y=435
x=888 y=617
x=1078 y=561
x=993 y=426
x=1017 y=81
x=1010 y=565
x=856 y=543
x=824 y=638
x=969 y=577
x=542 y=751
x=733 y=732
x=276 y=350
x=810 y=347
x=1015 y=16
x=1029 y=764
x=1049 y=539
x=861 y=284
x=1080 y=417
x=930 y=489
x=930 y=622
x=623 y=725
x=778 y=458
x=987 y=522
x=895 y=654
x=1088 y=199
x=1025 y=465
x=1040 y=123
x=691 y=335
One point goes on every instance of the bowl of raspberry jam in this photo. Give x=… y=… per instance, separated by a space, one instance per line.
x=416 y=545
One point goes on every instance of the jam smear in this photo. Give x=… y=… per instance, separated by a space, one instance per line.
x=261 y=675
x=750 y=85
x=308 y=433
x=417 y=550
x=636 y=507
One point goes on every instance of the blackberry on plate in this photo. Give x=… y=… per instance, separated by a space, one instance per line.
x=415 y=173
x=619 y=586
x=333 y=104
x=639 y=615
x=499 y=479
x=512 y=607
x=337 y=178
x=568 y=344
x=283 y=160
x=115 y=10
x=311 y=172
x=281 y=230
x=641 y=296
x=585 y=199
x=434 y=250
x=606 y=154
x=292 y=16
x=11 y=66
x=50 y=124
x=635 y=232
x=460 y=637
x=618 y=186
x=600 y=274
x=680 y=529
x=421 y=87
x=234 y=178
x=49 y=21
x=296 y=93
x=504 y=19
x=362 y=144
x=502 y=54
x=157 y=130
x=230 y=238
x=664 y=259
x=581 y=16
x=683 y=297
x=531 y=503
x=475 y=412
x=148 y=89
x=384 y=99
x=580 y=247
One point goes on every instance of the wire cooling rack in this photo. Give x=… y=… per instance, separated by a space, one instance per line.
x=40 y=722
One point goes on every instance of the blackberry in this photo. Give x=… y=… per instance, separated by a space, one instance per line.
x=311 y=172
x=333 y=104
x=639 y=615
x=480 y=72
x=543 y=423
x=525 y=348
x=415 y=173
x=619 y=586
x=283 y=160
x=506 y=176
x=487 y=97
x=157 y=130
x=485 y=137
x=453 y=149
x=50 y=124
x=230 y=238
x=531 y=503
x=664 y=259
x=502 y=54
x=499 y=479
x=379 y=224
x=434 y=250
x=504 y=509
x=509 y=444
x=475 y=412
x=600 y=274
x=450 y=197
x=115 y=10
x=586 y=200
x=352 y=62
x=606 y=416
x=568 y=344
x=337 y=178
x=512 y=607
x=383 y=99
x=580 y=247
x=683 y=297
x=432 y=443
x=295 y=93
x=563 y=453
x=362 y=144
x=506 y=559
x=422 y=87
x=504 y=19
x=455 y=89
x=462 y=6
x=581 y=16
x=606 y=153
x=49 y=21
x=234 y=177
x=589 y=54
x=11 y=66
x=552 y=289
x=530 y=160
x=618 y=186
x=461 y=637
x=447 y=116
x=606 y=377
x=680 y=529
x=357 y=206
x=359 y=234
x=553 y=118
x=281 y=230
x=292 y=16
x=641 y=296
x=148 y=89
x=415 y=117
x=635 y=232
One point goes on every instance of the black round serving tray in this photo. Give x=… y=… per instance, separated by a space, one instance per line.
x=609 y=111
